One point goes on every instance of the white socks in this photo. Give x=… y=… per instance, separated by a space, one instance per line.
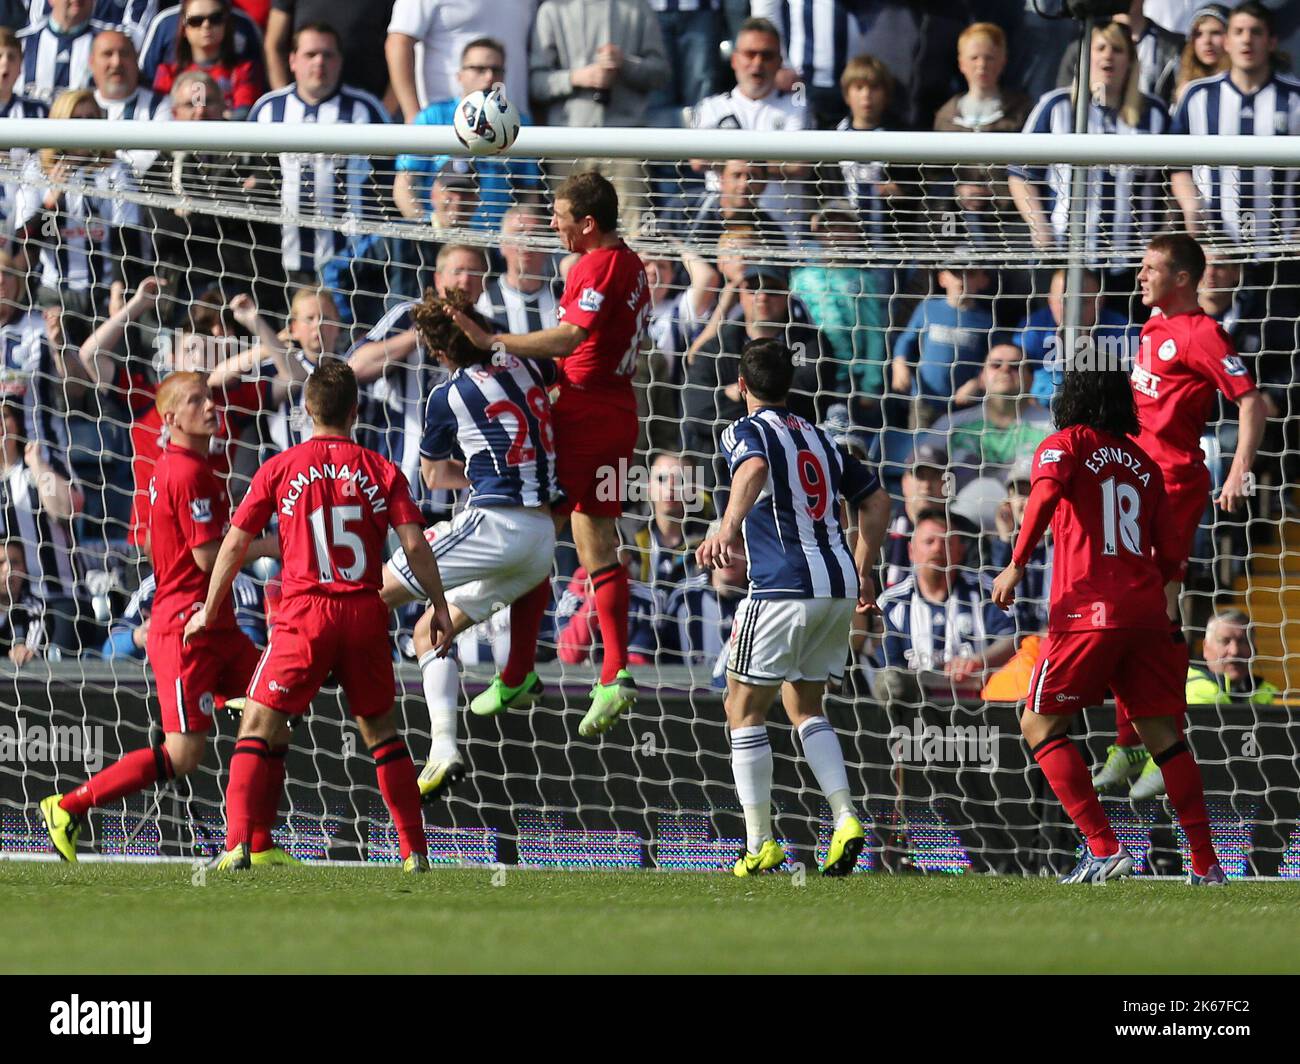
x=442 y=695
x=751 y=764
x=821 y=747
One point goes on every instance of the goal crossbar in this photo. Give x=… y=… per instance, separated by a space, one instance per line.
x=1090 y=149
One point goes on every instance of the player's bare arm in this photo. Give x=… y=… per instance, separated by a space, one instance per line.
x=370 y=360
x=746 y=485
x=425 y=567
x=873 y=522
x=205 y=555
x=558 y=342
x=1044 y=497
x=1252 y=414
x=443 y=474
x=97 y=357
x=230 y=559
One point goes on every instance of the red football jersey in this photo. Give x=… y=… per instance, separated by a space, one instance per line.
x=608 y=295
x=335 y=501
x=188 y=508
x=1109 y=532
x=1181 y=362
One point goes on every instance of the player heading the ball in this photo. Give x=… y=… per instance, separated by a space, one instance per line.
x=598 y=342
x=495 y=409
x=335 y=501
x=1115 y=548
x=189 y=513
x=789 y=483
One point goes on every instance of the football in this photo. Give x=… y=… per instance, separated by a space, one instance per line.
x=486 y=122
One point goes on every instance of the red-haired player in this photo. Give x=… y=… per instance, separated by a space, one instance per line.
x=188 y=515
x=1115 y=548
x=598 y=341
x=335 y=501
x=1184 y=359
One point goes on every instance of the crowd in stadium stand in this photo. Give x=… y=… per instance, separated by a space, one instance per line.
x=942 y=377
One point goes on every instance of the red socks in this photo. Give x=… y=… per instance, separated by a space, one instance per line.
x=1125 y=733
x=269 y=803
x=613 y=591
x=401 y=790
x=525 y=625
x=133 y=773
x=1063 y=766
x=1183 y=782
x=249 y=771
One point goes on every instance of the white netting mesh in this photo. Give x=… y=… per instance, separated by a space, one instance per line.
x=893 y=282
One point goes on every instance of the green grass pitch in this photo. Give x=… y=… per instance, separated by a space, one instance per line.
x=112 y=918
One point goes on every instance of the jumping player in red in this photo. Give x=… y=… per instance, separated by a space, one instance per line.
x=1107 y=626
x=598 y=342
x=335 y=501
x=1184 y=358
x=189 y=513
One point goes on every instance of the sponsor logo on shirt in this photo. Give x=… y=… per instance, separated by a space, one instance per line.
x=1233 y=366
x=1146 y=382
x=201 y=511
x=1167 y=351
x=1052 y=454
x=590 y=300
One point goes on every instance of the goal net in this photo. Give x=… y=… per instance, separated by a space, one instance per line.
x=934 y=294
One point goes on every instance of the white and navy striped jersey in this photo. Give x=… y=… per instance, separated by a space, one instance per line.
x=499 y=416
x=1250 y=203
x=819 y=35
x=16 y=107
x=921 y=635
x=289 y=424
x=673 y=6
x=82 y=253
x=24 y=107
x=675 y=323
x=793 y=538
x=776 y=111
x=22 y=341
x=133 y=16
x=47 y=541
x=521 y=312
x=861 y=186
x=54 y=61
x=1124 y=202
x=321 y=186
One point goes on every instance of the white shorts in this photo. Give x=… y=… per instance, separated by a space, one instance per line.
x=774 y=640
x=487 y=557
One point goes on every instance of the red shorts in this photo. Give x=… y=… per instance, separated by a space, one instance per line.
x=316 y=635
x=191 y=677
x=594 y=444
x=1145 y=669
x=1185 y=505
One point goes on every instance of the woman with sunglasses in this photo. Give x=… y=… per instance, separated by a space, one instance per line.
x=206 y=43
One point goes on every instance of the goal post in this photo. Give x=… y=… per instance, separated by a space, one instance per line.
x=897 y=266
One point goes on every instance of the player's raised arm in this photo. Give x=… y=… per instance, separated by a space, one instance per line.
x=557 y=342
